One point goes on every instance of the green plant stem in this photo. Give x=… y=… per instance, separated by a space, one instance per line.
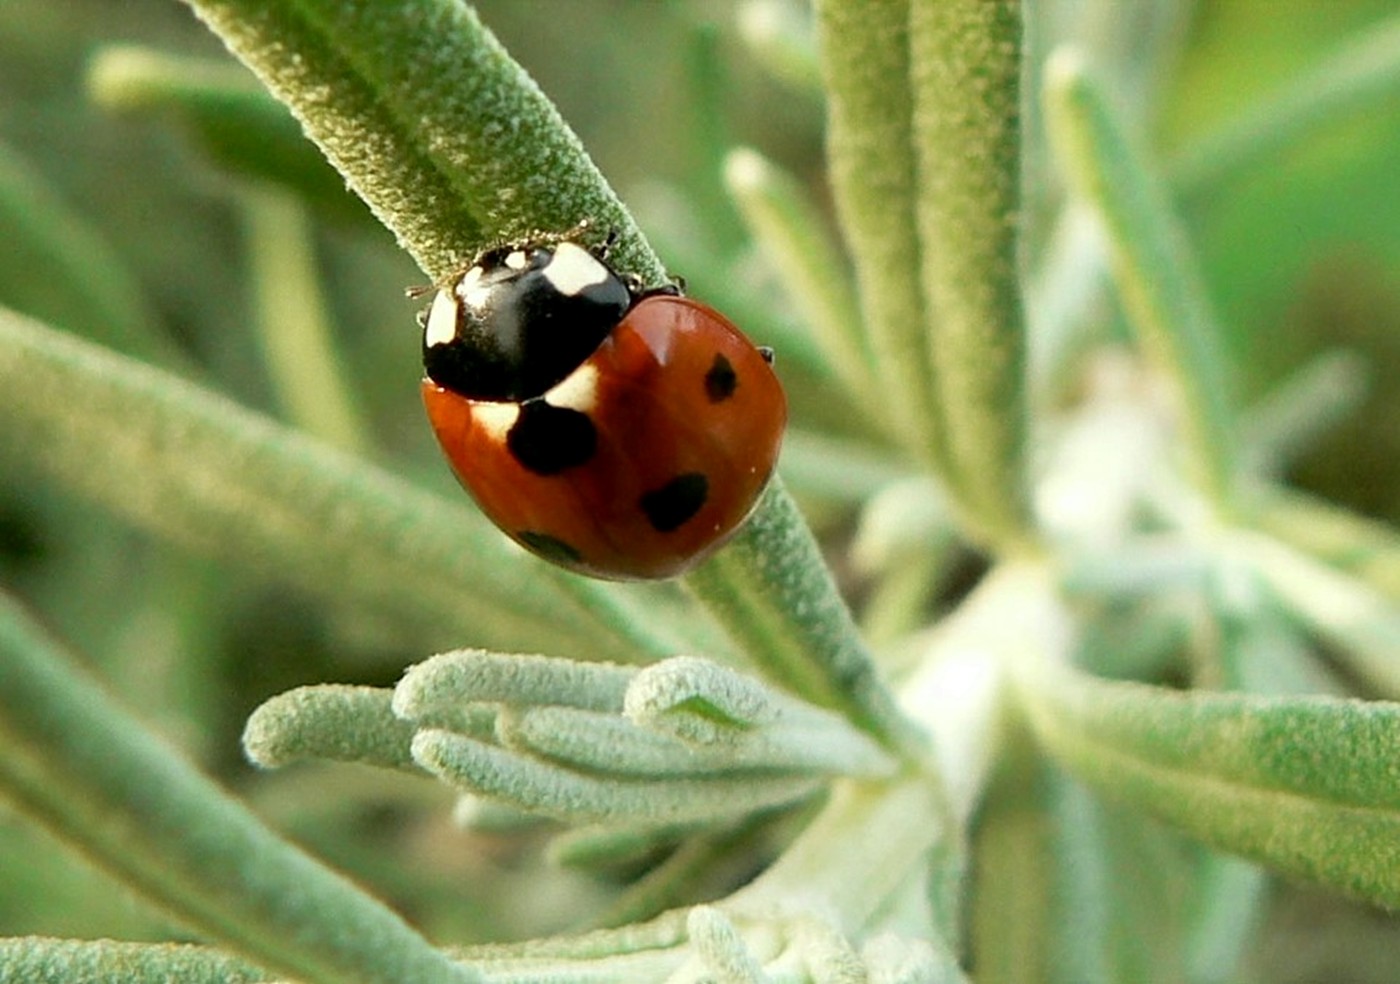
x=870 y=836
x=1012 y=913
x=198 y=469
x=864 y=49
x=421 y=109
x=1156 y=273
x=771 y=590
x=92 y=775
x=965 y=69
x=293 y=324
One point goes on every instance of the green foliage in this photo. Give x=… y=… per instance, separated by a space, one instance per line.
x=1070 y=678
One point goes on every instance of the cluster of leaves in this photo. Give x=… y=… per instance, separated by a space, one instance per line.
x=1159 y=618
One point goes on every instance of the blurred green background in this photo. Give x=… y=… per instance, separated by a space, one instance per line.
x=1302 y=258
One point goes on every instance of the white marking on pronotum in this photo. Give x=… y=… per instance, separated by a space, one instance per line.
x=496 y=419
x=442 y=320
x=577 y=391
x=515 y=259
x=471 y=291
x=573 y=269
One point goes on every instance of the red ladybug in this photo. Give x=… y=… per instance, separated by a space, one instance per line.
x=619 y=432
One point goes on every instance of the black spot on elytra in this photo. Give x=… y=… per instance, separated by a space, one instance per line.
x=721 y=380
x=549 y=547
x=668 y=507
x=547 y=439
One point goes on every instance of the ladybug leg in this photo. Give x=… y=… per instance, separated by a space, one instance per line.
x=640 y=291
x=605 y=247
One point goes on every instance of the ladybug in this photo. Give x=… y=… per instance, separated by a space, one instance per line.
x=620 y=432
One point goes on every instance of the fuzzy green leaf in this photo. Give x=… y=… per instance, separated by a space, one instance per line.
x=196 y=468
x=431 y=123
x=39 y=960
x=1156 y=273
x=93 y=776
x=1306 y=786
x=346 y=724
x=789 y=230
x=965 y=74
x=864 y=50
x=440 y=684
x=723 y=955
x=770 y=588
x=539 y=787
x=293 y=323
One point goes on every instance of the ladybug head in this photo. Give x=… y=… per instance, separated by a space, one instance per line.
x=520 y=320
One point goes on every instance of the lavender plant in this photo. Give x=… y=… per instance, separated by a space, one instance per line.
x=1083 y=761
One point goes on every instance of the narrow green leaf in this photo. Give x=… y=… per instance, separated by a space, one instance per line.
x=1360 y=623
x=1228 y=908
x=604 y=847
x=56 y=266
x=771 y=590
x=965 y=71
x=691 y=871
x=1365 y=548
x=1303 y=785
x=431 y=123
x=196 y=468
x=93 y=776
x=293 y=323
x=1297 y=414
x=723 y=704
x=39 y=960
x=439 y=684
x=345 y=724
x=864 y=50
x=229 y=116
x=780 y=37
x=606 y=743
x=1153 y=266
x=789 y=230
x=539 y=787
